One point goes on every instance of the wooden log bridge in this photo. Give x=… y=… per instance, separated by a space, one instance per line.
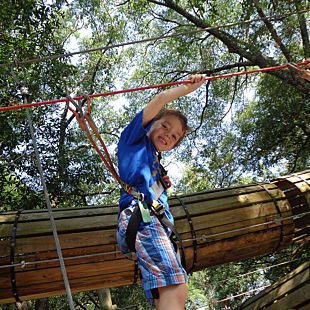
x=220 y=226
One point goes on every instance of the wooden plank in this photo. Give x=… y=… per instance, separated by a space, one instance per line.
x=223 y=204
x=45 y=276
x=77 y=285
x=211 y=225
x=67 y=241
x=63 y=225
x=279 y=289
x=243 y=212
x=293 y=299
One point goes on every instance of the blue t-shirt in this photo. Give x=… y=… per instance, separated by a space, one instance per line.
x=138 y=163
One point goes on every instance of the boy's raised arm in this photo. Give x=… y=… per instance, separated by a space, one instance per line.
x=168 y=95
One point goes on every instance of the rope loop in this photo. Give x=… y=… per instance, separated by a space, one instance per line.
x=85 y=120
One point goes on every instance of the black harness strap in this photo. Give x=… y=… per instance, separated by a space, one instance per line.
x=132 y=228
x=190 y=222
x=165 y=222
x=12 y=256
x=136 y=274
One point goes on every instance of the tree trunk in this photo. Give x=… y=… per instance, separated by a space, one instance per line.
x=41 y=304
x=25 y=305
x=105 y=299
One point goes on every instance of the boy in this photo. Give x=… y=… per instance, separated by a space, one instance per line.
x=153 y=130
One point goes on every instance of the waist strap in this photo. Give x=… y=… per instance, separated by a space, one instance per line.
x=158 y=188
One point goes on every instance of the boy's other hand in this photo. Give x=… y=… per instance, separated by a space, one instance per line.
x=167 y=181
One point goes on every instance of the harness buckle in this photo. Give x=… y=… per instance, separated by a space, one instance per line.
x=140 y=195
x=131 y=256
x=157 y=208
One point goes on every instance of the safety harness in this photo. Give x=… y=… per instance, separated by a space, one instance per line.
x=143 y=210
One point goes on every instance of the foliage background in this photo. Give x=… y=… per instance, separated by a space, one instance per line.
x=245 y=129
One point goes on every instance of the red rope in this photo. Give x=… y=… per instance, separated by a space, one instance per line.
x=228 y=298
x=15 y=107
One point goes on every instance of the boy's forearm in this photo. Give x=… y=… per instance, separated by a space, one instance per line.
x=168 y=95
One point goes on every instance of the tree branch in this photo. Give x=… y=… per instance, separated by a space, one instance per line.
x=272 y=31
x=203 y=109
x=303 y=30
x=249 y=51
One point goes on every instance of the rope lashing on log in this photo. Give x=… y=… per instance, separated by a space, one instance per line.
x=278 y=210
x=12 y=256
x=193 y=232
x=35 y=104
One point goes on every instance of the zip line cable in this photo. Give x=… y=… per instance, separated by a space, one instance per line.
x=48 y=203
x=34 y=104
x=37 y=60
x=25 y=94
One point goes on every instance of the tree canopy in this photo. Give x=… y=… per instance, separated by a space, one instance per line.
x=245 y=128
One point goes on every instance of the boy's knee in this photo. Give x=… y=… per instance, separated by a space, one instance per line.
x=182 y=291
x=177 y=291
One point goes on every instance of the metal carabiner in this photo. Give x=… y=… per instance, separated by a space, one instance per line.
x=295 y=68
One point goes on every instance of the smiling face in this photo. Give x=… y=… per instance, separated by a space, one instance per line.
x=166 y=132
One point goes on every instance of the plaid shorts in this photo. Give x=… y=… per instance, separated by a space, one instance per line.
x=156 y=256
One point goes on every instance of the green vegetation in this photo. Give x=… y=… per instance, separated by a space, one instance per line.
x=247 y=128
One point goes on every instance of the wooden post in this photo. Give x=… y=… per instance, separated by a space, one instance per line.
x=105 y=299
